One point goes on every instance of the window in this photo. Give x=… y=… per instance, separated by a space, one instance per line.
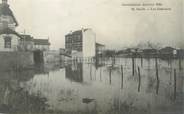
x=7 y=42
x=5 y=24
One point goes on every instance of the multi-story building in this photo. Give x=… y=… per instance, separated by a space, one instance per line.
x=82 y=43
x=73 y=41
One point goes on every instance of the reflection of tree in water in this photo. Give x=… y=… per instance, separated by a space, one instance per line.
x=151 y=84
x=126 y=107
x=67 y=95
x=14 y=99
x=20 y=101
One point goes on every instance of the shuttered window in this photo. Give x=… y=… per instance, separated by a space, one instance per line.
x=7 y=42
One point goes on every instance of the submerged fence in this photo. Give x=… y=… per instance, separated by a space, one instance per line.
x=137 y=67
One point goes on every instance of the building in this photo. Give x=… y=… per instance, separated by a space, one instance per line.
x=100 y=48
x=27 y=43
x=64 y=52
x=82 y=43
x=9 y=38
x=150 y=52
x=180 y=53
x=41 y=44
x=7 y=18
x=168 y=52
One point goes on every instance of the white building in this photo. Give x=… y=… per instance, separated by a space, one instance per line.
x=82 y=43
x=89 y=43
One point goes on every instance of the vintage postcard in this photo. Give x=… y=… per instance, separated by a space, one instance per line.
x=91 y=57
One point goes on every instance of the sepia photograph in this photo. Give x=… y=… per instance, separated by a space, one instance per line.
x=91 y=57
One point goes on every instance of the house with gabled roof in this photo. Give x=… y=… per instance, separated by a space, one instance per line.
x=9 y=38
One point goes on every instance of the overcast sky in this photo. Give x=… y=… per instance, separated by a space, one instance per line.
x=115 y=25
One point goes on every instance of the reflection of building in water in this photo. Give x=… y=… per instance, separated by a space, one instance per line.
x=83 y=73
x=74 y=72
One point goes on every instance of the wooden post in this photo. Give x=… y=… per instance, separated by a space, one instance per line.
x=168 y=61
x=121 y=76
x=133 y=66
x=180 y=66
x=141 y=61
x=110 y=72
x=139 y=74
x=174 y=84
x=156 y=66
x=157 y=88
x=157 y=76
x=91 y=71
x=100 y=74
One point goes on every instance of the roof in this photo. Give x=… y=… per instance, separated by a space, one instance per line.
x=101 y=45
x=41 y=42
x=150 y=50
x=9 y=31
x=167 y=49
x=5 y=10
x=75 y=33
x=27 y=37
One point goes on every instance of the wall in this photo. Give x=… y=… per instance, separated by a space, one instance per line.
x=89 y=43
x=9 y=20
x=16 y=60
x=51 y=57
x=14 y=42
x=41 y=47
x=73 y=41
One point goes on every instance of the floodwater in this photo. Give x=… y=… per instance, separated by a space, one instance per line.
x=87 y=88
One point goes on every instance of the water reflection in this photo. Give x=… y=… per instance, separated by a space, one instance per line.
x=14 y=99
x=74 y=72
x=94 y=88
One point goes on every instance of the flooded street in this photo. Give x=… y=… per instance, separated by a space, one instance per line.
x=88 y=88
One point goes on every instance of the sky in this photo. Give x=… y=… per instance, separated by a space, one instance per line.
x=115 y=25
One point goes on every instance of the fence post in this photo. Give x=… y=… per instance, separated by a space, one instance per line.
x=174 y=84
x=133 y=66
x=110 y=72
x=121 y=76
x=156 y=65
x=141 y=61
x=157 y=76
x=139 y=74
x=180 y=66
